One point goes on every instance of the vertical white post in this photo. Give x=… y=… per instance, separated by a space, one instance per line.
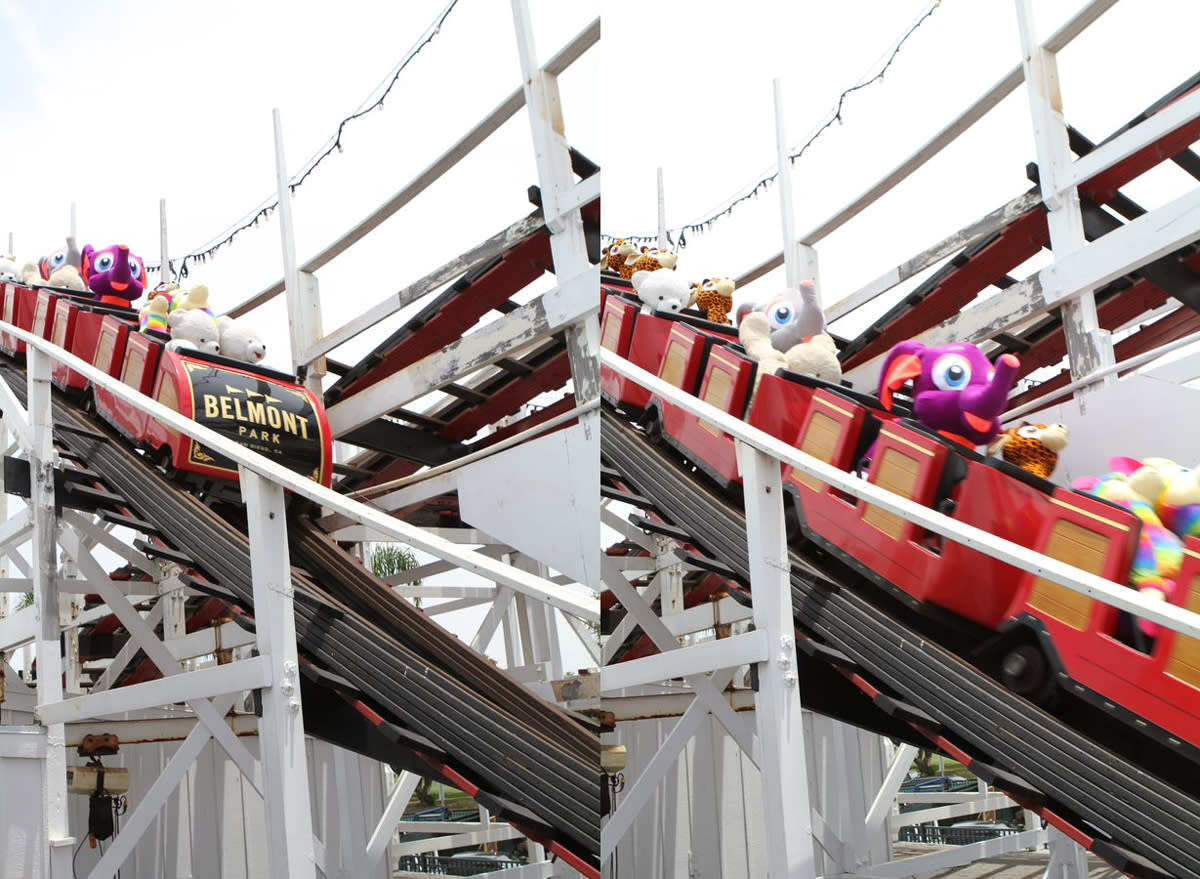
x=662 y=212
x=800 y=260
x=567 y=242
x=303 y=301
x=164 y=270
x=786 y=205
x=289 y=840
x=1068 y=860
x=45 y=591
x=11 y=252
x=786 y=808
x=72 y=221
x=1089 y=347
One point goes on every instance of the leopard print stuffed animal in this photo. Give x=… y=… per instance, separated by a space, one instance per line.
x=651 y=259
x=714 y=296
x=1032 y=447
x=613 y=258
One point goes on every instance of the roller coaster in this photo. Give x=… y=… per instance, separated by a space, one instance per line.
x=935 y=595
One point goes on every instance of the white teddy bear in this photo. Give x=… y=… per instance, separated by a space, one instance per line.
x=193 y=329
x=240 y=341
x=662 y=290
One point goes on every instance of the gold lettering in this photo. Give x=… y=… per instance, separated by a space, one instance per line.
x=273 y=418
x=237 y=409
x=275 y=438
x=289 y=422
x=304 y=426
x=242 y=431
x=227 y=409
x=211 y=408
x=256 y=411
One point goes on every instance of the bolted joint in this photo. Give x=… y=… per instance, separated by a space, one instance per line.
x=294 y=706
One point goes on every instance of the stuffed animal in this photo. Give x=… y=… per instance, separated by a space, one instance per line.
x=197 y=297
x=1032 y=447
x=651 y=259
x=793 y=315
x=956 y=391
x=1159 y=554
x=662 y=290
x=816 y=356
x=9 y=271
x=1174 y=490
x=240 y=341
x=714 y=296
x=192 y=328
x=113 y=274
x=67 y=278
x=153 y=315
x=615 y=256
x=66 y=256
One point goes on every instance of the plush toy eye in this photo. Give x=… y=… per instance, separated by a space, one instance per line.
x=104 y=262
x=135 y=268
x=781 y=315
x=58 y=260
x=951 y=372
x=1029 y=431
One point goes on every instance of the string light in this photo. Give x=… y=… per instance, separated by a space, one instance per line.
x=267 y=207
x=765 y=183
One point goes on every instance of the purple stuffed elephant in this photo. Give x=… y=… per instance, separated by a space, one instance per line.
x=956 y=390
x=113 y=274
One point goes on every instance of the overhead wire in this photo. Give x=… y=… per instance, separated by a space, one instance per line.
x=268 y=205
x=678 y=236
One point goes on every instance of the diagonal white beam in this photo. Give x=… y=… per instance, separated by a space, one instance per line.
x=18 y=628
x=85 y=525
x=494 y=341
x=127 y=652
x=897 y=770
x=152 y=801
x=428 y=540
x=16 y=418
x=402 y=792
x=476 y=256
x=743 y=649
x=191 y=686
x=156 y=651
x=707 y=693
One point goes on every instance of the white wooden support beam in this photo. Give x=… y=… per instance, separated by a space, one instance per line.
x=491 y=342
x=786 y=807
x=127 y=652
x=19 y=628
x=925 y=865
x=461 y=264
x=303 y=298
x=397 y=802
x=156 y=651
x=42 y=462
x=98 y=535
x=786 y=201
x=16 y=418
x=1089 y=348
x=494 y=833
x=638 y=794
x=281 y=730
x=743 y=649
x=1068 y=860
x=189 y=686
x=989 y=803
x=896 y=773
x=351 y=819
x=706 y=691
x=152 y=801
